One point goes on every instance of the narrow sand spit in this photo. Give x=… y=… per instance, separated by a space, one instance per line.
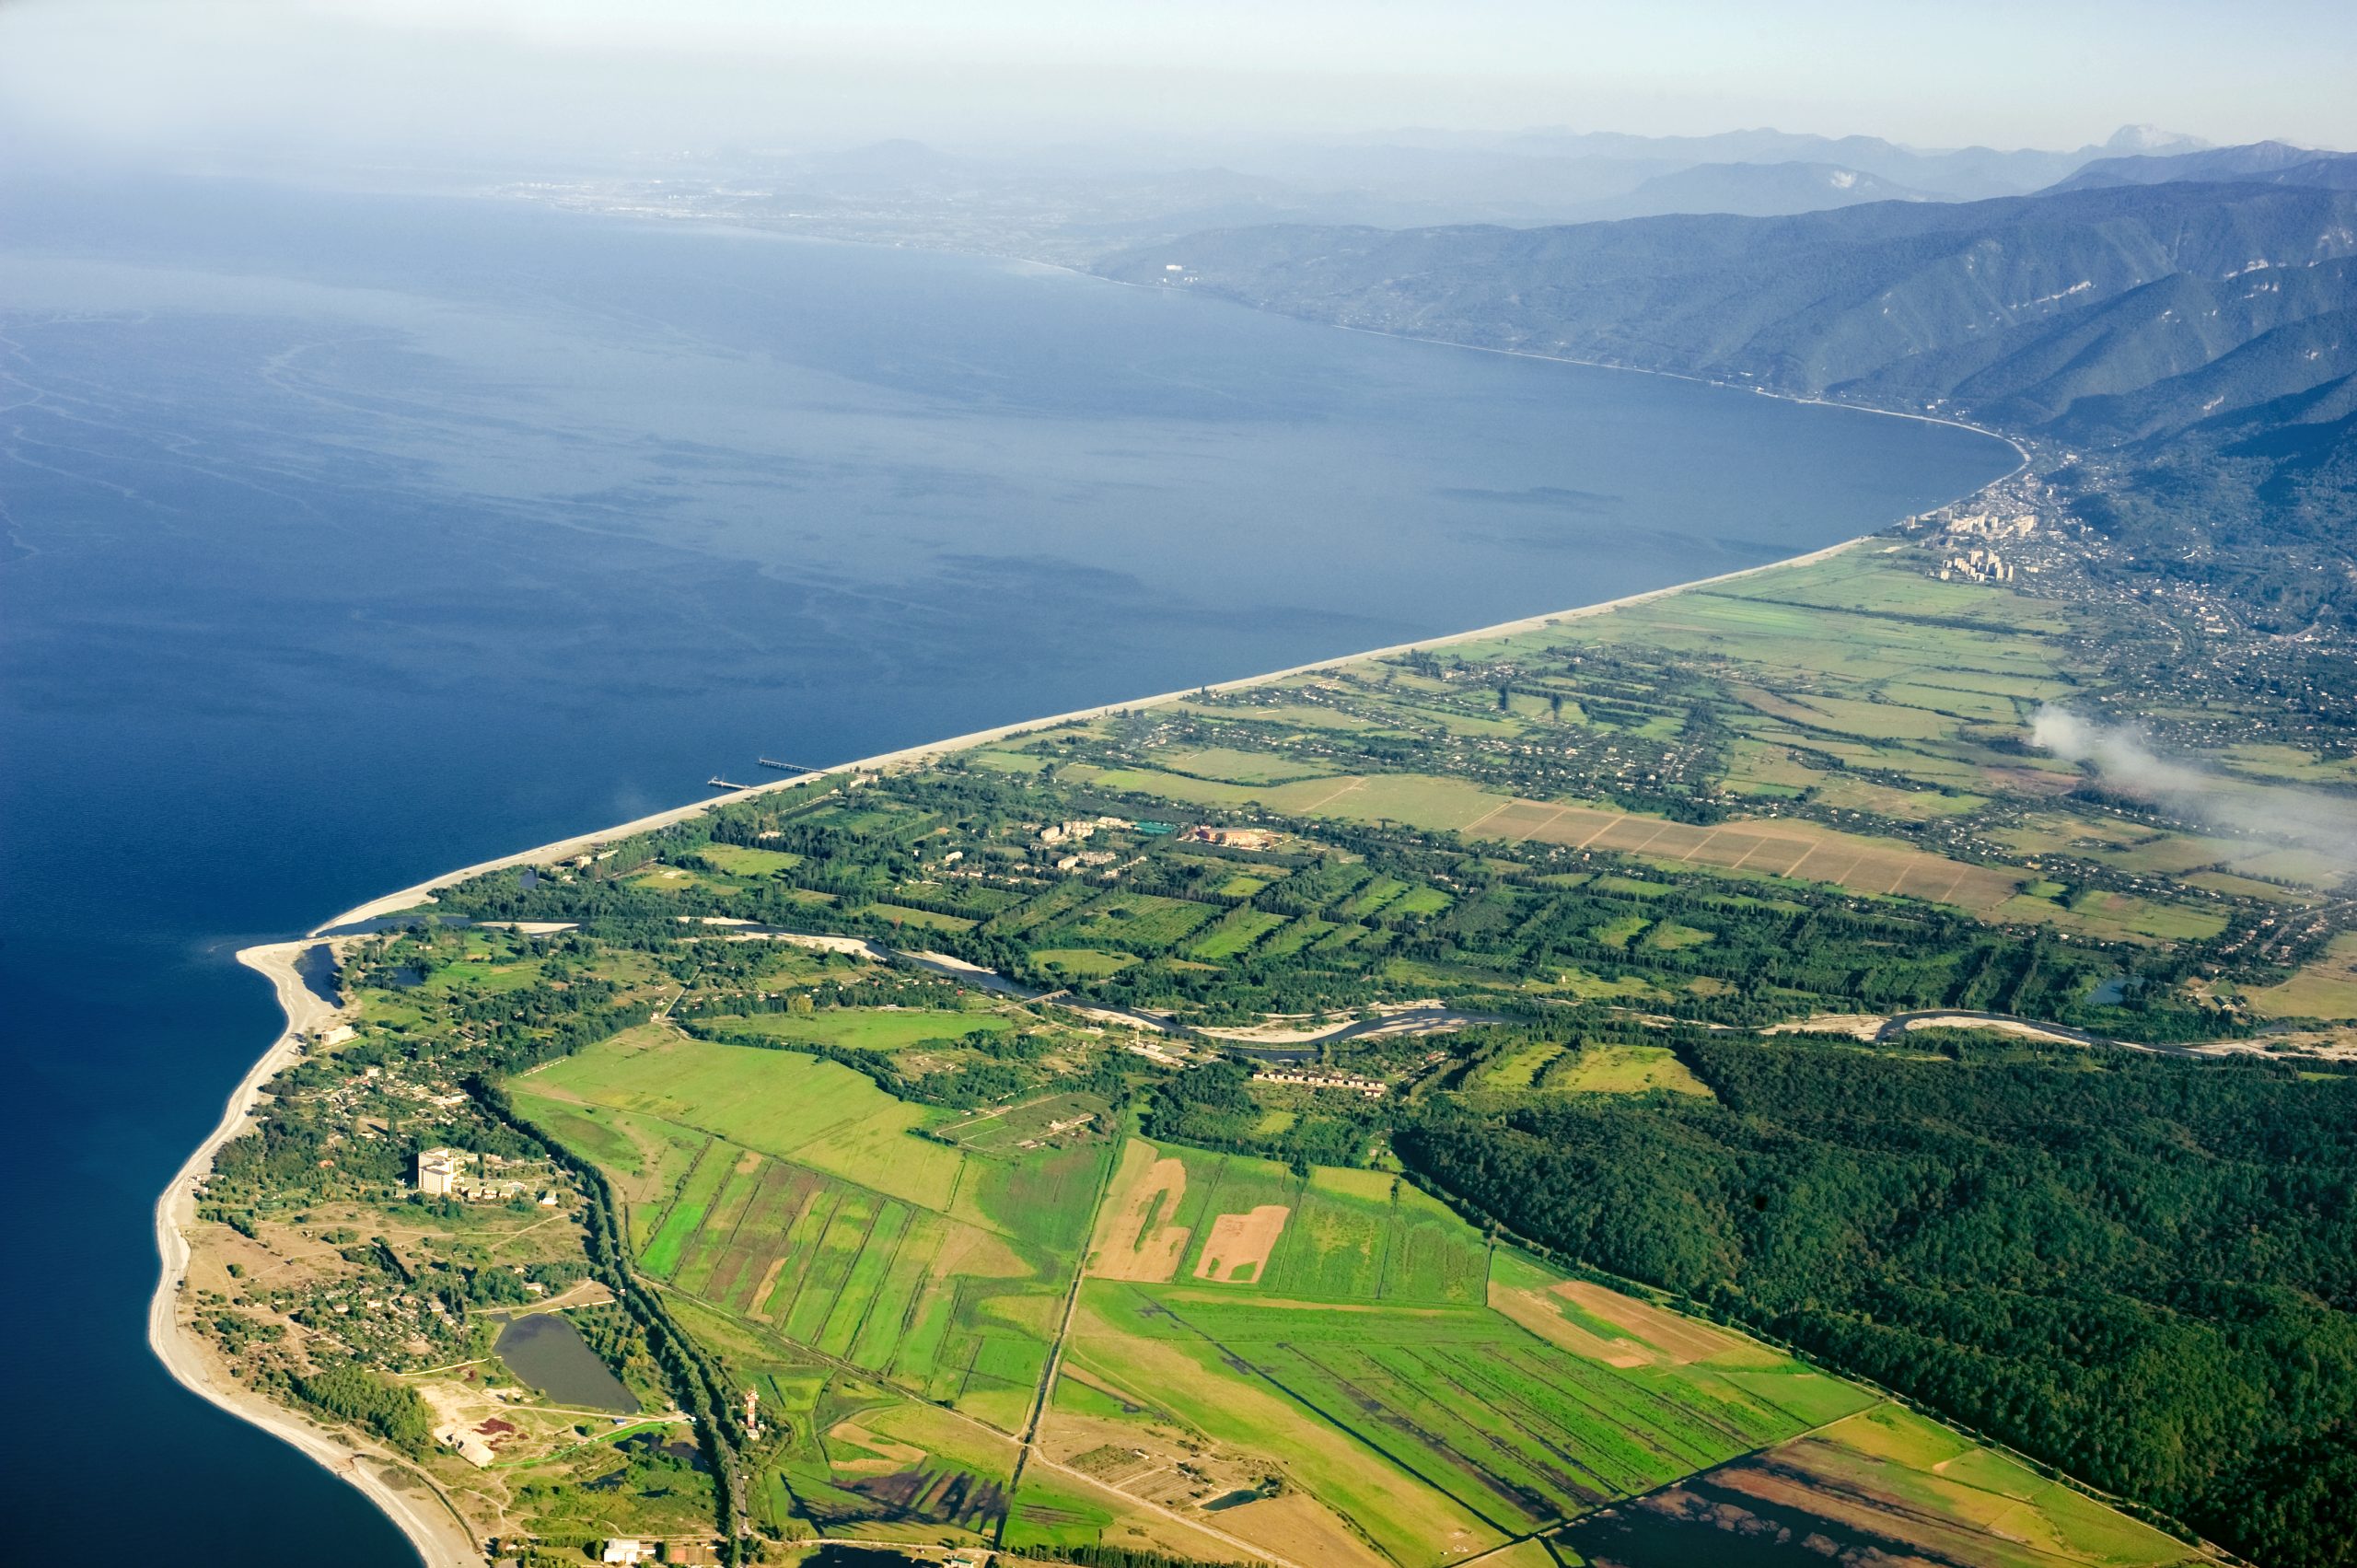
x=583 y=843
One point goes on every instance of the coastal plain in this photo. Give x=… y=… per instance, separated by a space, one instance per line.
x=1073 y=1140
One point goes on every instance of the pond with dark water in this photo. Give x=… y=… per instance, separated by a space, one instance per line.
x=546 y=1351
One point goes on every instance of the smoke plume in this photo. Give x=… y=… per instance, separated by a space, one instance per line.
x=2286 y=815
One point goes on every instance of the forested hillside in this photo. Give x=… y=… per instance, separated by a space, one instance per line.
x=2278 y=163
x=2195 y=342
x=2141 y=1269
x=1977 y=304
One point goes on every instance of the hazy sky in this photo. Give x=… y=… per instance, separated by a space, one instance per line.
x=591 y=75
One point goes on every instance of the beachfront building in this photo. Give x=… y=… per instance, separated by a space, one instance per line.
x=439 y=1171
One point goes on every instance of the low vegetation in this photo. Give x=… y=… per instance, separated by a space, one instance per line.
x=1450 y=1104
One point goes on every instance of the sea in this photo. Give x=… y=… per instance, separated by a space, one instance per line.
x=346 y=536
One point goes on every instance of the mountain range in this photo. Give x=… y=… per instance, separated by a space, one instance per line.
x=2083 y=311
x=1136 y=189
x=2198 y=334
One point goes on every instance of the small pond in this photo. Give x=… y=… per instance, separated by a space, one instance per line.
x=546 y=1351
x=2111 y=993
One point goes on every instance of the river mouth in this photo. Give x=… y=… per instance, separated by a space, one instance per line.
x=546 y=1351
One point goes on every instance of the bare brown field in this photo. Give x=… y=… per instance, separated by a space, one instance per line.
x=1678 y=1339
x=1298 y=1529
x=1130 y=1242
x=1529 y=1308
x=1785 y=848
x=1516 y=820
x=1239 y=1245
x=759 y=1310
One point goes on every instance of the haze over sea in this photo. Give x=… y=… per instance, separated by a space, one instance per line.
x=350 y=539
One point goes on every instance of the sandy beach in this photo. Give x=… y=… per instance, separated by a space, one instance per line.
x=436 y=1533
x=580 y=844
x=439 y=1538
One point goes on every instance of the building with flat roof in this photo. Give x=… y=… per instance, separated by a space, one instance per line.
x=439 y=1171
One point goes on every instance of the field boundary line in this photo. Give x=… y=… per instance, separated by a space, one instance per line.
x=1474 y=826
x=1027 y=1442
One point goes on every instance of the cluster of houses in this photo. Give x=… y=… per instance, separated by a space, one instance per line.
x=1075 y=831
x=1307 y=1078
x=1979 y=561
x=633 y=1549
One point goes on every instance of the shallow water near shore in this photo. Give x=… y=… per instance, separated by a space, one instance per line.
x=352 y=539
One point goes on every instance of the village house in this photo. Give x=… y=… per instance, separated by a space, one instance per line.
x=1298 y=1078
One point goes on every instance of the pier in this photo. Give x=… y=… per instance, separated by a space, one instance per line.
x=716 y=782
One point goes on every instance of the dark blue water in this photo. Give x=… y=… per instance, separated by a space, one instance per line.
x=348 y=539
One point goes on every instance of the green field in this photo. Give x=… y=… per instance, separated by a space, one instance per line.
x=1081 y=963
x=1143 y=923
x=864 y=1029
x=1403 y=1373
x=780 y=1103
x=740 y=860
x=1341 y=1328
x=815 y=1222
x=1620 y=1070
x=2326 y=988
x=1234 y=933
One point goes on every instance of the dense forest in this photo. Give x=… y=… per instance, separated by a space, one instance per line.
x=2139 y=1269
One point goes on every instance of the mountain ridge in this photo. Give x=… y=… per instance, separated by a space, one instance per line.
x=2181 y=350
x=1826 y=303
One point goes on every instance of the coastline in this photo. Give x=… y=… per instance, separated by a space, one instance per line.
x=431 y=1528
x=422 y=893
x=433 y=1531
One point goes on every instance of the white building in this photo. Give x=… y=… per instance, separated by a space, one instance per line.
x=439 y=1171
